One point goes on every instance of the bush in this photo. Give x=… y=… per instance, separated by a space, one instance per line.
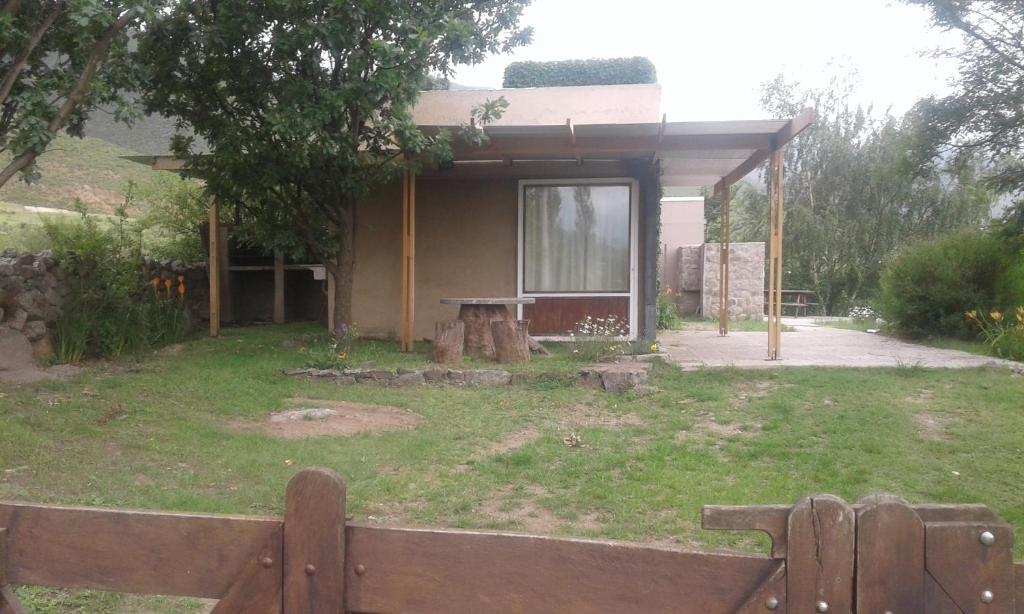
x=613 y=71
x=668 y=313
x=176 y=210
x=110 y=310
x=928 y=288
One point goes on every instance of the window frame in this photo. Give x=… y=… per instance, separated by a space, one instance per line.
x=634 y=242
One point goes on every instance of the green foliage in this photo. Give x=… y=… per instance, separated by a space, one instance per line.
x=930 y=286
x=110 y=310
x=983 y=114
x=62 y=60
x=334 y=352
x=304 y=121
x=1003 y=332
x=599 y=339
x=176 y=211
x=611 y=71
x=857 y=189
x=668 y=314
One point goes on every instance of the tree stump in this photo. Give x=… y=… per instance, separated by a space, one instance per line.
x=449 y=336
x=511 y=340
x=478 y=318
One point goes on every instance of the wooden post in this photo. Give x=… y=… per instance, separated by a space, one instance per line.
x=408 y=260
x=723 y=265
x=213 y=272
x=9 y=603
x=775 y=222
x=511 y=340
x=449 y=337
x=314 y=543
x=278 y=286
x=330 y=301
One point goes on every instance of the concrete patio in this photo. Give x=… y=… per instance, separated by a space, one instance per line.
x=805 y=344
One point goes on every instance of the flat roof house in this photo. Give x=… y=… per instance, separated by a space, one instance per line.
x=561 y=206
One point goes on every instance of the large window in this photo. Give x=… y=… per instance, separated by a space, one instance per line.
x=576 y=238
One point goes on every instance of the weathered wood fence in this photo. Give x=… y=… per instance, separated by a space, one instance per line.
x=877 y=556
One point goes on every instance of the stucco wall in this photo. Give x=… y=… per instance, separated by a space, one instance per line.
x=682 y=229
x=590 y=104
x=746 y=281
x=466 y=230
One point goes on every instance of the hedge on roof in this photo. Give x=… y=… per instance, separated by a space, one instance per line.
x=611 y=71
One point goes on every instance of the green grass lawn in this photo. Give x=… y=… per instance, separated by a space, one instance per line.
x=158 y=433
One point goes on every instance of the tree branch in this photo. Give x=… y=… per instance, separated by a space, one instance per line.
x=19 y=62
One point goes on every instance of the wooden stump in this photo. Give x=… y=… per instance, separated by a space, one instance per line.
x=449 y=335
x=511 y=340
x=478 y=318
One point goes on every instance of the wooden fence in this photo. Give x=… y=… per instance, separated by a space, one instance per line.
x=877 y=556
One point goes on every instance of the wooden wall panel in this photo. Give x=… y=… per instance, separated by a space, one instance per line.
x=558 y=316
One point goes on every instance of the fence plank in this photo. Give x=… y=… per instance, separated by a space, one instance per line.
x=257 y=589
x=9 y=603
x=128 y=551
x=820 y=560
x=1018 y=573
x=890 y=557
x=412 y=570
x=314 y=543
x=965 y=567
x=769 y=596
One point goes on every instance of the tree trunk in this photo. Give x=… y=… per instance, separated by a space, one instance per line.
x=342 y=267
x=449 y=336
x=511 y=340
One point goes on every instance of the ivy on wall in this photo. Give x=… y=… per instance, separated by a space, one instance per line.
x=611 y=71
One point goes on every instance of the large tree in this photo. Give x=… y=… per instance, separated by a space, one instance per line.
x=304 y=105
x=62 y=59
x=985 y=112
x=858 y=187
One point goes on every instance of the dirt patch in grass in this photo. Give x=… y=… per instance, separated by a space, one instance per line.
x=751 y=390
x=930 y=427
x=525 y=513
x=316 y=418
x=579 y=415
x=717 y=431
x=508 y=443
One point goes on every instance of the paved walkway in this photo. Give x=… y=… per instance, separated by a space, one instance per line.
x=809 y=345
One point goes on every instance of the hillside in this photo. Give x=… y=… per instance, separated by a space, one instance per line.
x=88 y=169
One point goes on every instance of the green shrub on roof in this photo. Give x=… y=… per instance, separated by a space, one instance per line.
x=611 y=71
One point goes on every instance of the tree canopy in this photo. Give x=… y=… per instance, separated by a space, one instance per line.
x=305 y=104
x=61 y=60
x=985 y=113
x=857 y=189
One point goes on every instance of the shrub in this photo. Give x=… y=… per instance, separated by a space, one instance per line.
x=612 y=71
x=1003 y=333
x=109 y=310
x=598 y=339
x=929 y=287
x=335 y=352
x=668 y=314
x=176 y=210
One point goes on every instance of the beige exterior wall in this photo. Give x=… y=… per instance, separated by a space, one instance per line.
x=590 y=104
x=466 y=245
x=682 y=224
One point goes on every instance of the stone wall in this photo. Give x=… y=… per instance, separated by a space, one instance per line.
x=688 y=283
x=746 y=281
x=32 y=290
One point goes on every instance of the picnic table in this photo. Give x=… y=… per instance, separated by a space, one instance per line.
x=796 y=300
x=477 y=314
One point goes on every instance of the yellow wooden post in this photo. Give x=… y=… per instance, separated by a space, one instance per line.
x=213 y=272
x=723 y=264
x=775 y=189
x=408 y=260
x=330 y=301
x=278 y=286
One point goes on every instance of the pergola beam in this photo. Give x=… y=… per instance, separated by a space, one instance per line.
x=723 y=266
x=408 y=260
x=775 y=223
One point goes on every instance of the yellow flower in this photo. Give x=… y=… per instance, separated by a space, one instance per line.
x=342 y=356
x=996 y=316
x=972 y=315
x=302 y=349
x=654 y=347
x=1019 y=313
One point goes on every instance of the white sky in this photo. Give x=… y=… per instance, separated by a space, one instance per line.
x=713 y=55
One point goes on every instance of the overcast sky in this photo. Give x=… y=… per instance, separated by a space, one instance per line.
x=713 y=55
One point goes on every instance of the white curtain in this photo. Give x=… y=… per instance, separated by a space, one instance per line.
x=576 y=238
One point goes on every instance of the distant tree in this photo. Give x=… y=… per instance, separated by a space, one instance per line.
x=61 y=60
x=856 y=190
x=305 y=104
x=985 y=113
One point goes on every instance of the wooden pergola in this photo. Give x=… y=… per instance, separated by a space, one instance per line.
x=690 y=154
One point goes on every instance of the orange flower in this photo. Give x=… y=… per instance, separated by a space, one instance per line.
x=155 y=281
x=181 y=289
x=181 y=278
x=167 y=284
